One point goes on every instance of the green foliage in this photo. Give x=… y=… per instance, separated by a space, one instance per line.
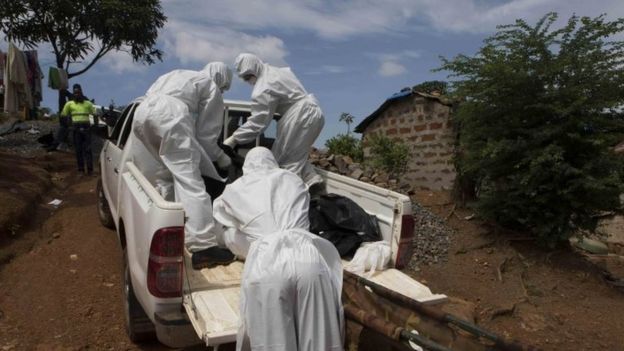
x=85 y=29
x=345 y=144
x=541 y=109
x=432 y=86
x=389 y=155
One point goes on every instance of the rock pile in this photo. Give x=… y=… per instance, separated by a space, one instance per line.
x=431 y=234
x=21 y=137
x=432 y=238
x=345 y=165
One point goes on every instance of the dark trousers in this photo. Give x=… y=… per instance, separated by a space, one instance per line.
x=62 y=132
x=82 y=145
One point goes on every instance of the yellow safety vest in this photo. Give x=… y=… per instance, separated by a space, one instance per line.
x=79 y=111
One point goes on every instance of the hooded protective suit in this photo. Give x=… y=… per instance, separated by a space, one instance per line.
x=179 y=123
x=277 y=90
x=292 y=280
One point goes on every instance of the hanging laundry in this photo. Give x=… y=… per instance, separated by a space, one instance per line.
x=57 y=78
x=34 y=77
x=15 y=81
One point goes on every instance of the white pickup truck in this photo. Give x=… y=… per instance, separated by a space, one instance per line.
x=164 y=296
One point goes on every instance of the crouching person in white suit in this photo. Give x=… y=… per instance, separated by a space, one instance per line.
x=292 y=280
x=179 y=122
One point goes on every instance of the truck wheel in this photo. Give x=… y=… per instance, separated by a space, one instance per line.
x=106 y=218
x=138 y=325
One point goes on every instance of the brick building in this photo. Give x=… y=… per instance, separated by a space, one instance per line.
x=424 y=122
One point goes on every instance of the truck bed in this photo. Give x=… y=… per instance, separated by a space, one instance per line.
x=212 y=295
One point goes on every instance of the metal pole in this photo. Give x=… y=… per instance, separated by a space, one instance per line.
x=439 y=315
x=390 y=329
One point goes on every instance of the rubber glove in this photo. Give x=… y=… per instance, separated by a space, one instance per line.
x=231 y=142
x=224 y=161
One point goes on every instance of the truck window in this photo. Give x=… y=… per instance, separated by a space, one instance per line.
x=127 y=128
x=120 y=122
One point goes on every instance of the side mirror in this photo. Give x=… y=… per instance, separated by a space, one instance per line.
x=101 y=131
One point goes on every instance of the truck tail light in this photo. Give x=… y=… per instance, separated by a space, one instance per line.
x=166 y=263
x=404 y=253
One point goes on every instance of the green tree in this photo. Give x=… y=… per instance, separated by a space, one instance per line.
x=348 y=119
x=390 y=155
x=345 y=144
x=431 y=86
x=85 y=29
x=541 y=109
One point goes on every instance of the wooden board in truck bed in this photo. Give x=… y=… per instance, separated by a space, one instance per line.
x=212 y=300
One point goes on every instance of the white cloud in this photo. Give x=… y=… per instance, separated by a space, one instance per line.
x=121 y=61
x=192 y=43
x=391 y=68
x=393 y=63
x=328 y=69
x=348 y=18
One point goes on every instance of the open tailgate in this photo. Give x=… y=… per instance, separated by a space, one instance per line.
x=211 y=300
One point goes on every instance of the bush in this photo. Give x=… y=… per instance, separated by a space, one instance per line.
x=541 y=110
x=345 y=144
x=389 y=155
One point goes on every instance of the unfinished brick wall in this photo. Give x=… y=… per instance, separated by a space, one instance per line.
x=425 y=125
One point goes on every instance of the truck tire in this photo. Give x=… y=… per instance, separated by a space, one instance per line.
x=139 y=327
x=106 y=218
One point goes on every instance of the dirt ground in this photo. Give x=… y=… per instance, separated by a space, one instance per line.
x=61 y=288
x=554 y=300
x=60 y=284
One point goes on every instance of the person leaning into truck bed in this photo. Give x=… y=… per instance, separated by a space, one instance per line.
x=277 y=90
x=179 y=122
x=78 y=110
x=292 y=279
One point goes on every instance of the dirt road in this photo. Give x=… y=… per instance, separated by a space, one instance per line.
x=65 y=292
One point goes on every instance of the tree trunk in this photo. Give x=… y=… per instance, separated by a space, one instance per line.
x=61 y=101
x=62 y=98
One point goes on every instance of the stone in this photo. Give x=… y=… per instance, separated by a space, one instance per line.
x=56 y=235
x=73 y=257
x=381 y=178
x=590 y=245
x=613 y=229
x=348 y=160
x=331 y=158
x=365 y=179
x=356 y=174
x=323 y=163
x=333 y=169
x=382 y=184
x=342 y=165
x=368 y=172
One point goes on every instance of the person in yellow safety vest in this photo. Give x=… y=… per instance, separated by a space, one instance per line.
x=79 y=109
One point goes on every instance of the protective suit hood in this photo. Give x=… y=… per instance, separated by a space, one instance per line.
x=190 y=87
x=249 y=64
x=259 y=159
x=220 y=73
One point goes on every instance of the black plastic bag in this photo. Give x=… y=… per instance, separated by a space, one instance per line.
x=342 y=222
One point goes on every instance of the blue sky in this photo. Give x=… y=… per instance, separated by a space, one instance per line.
x=351 y=54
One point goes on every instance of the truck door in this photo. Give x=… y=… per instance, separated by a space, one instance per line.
x=113 y=153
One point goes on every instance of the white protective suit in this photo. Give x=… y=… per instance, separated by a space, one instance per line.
x=179 y=123
x=292 y=280
x=277 y=90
